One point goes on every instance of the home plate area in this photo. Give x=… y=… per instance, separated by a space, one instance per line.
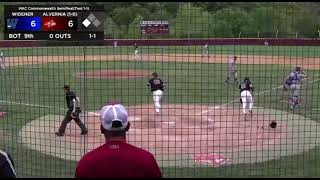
x=202 y=131
x=182 y=135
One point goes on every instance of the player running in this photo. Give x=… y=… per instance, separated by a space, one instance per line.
x=246 y=96
x=156 y=85
x=293 y=84
x=205 y=51
x=136 y=51
x=232 y=71
x=2 y=61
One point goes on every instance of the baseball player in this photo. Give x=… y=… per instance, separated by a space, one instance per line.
x=156 y=86
x=136 y=51
x=246 y=96
x=73 y=112
x=205 y=51
x=293 y=84
x=232 y=71
x=115 y=44
x=2 y=60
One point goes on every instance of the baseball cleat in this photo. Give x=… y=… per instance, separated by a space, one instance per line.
x=291 y=107
x=59 y=134
x=84 y=132
x=245 y=116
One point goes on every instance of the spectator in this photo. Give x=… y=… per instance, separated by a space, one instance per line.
x=7 y=167
x=116 y=158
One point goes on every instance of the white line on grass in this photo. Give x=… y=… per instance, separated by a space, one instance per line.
x=260 y=93
x=215 y=107
x=24 y=104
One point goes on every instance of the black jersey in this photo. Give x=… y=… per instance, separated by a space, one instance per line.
x=246 y=86
x=156 y=84
x=70 y=95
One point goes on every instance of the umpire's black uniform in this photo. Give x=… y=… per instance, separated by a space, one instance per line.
x=70 y=96
x=7 y=166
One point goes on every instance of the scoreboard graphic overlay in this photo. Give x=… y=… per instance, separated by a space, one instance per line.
x=154 y=27
x=63 y=23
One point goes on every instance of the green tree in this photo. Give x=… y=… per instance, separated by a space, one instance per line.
x=134 y=28
x=192 y=21
x=230 y=20
x=123 y=17
x=306 y=24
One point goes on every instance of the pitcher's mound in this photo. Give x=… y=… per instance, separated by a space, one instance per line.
x=114 y=74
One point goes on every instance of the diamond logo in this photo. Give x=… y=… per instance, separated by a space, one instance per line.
x=96 y=23
x=91 y=17
x=86 y=22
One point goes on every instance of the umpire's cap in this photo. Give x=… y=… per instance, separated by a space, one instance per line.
x=67 y=87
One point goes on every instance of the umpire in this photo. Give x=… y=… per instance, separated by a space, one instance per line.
x=73 y=112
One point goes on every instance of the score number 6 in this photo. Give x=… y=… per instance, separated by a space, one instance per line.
x=70 y=23
x=33 y=23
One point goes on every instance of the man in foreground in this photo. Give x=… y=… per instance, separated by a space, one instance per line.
x=7 y=169
x=116 y=158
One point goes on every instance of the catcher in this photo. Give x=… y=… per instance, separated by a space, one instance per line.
x=293 y=84
x=73 y=103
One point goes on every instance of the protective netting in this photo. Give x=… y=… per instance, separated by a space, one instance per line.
x=202 y=129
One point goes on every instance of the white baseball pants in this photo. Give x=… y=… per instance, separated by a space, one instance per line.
x=247 y=101
x=157 y=96
x=2 y=63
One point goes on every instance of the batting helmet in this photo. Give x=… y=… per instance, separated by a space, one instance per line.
x=298 y=68
x=155 y=74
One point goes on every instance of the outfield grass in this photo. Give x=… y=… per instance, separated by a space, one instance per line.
x=294 y=51
x=186 y=83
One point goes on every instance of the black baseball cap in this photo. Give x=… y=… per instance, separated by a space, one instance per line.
x=66 y=87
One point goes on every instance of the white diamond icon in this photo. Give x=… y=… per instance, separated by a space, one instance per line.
x=86 y=22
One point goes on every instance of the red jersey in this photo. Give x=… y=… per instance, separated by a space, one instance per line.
x=118 y=159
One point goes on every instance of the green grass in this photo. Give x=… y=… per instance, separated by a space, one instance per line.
x=294 y=51
x=185 y=82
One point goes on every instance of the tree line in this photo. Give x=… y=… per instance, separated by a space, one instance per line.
x=210 y=19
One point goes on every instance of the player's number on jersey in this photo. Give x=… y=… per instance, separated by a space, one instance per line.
x=33 y=23
x=156 y=81
x=70 y=23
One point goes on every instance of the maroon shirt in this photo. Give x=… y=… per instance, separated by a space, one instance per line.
x=118 y=159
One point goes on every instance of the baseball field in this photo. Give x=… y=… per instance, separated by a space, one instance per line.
x=200 y=132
